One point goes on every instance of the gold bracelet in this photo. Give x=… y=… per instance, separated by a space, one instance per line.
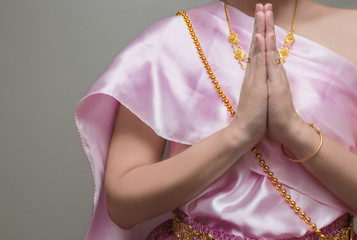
x=317 y=150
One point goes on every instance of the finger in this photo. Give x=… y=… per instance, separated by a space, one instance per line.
x=270 y=30
x=260 y=59
x=260 y=40
x=271 y=55
x=268 y=7
x=259 y=13
x=256 y=70
x=259 y=27
x=275 y=70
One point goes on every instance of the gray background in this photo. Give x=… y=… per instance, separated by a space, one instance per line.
x=50 y=53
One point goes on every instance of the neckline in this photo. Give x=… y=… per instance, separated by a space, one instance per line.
x=238 y=14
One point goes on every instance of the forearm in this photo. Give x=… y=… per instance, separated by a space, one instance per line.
x=334 y=166
x=153 y=189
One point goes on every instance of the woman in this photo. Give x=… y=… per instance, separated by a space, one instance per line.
x=160 y=89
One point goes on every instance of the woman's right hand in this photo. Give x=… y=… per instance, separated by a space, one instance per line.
x=251 y=116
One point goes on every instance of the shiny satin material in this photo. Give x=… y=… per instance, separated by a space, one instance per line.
x=160 y=78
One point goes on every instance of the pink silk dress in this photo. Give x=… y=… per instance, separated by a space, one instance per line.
x=161 y=79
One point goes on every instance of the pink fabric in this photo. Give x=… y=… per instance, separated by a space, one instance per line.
x=160 y=78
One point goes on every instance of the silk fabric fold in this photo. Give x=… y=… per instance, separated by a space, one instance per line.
x=161 y=79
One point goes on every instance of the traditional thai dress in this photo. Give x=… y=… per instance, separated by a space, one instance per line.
x=161 y=79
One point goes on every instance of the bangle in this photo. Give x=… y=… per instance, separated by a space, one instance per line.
x=316 y=151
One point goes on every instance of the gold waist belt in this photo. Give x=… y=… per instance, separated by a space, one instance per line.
x=184 y=231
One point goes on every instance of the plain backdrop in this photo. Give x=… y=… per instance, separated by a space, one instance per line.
x=51 y=51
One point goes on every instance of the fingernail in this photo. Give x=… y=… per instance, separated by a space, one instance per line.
x=257 y=6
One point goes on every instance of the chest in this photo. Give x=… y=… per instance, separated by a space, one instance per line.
x=333 y=33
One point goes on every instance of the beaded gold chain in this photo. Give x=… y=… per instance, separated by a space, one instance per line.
x=239 y=53
x=206 y=64
x=258 y=156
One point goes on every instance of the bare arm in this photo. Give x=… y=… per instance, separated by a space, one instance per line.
x=334 y=165
x=140 y=186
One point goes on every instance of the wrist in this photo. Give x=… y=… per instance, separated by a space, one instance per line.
x=289 y=130
x=240 y=138
x=304 y=143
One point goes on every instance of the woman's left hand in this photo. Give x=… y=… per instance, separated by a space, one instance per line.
x=283 y=121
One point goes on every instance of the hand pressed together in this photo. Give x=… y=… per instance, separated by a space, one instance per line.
x=265 y=104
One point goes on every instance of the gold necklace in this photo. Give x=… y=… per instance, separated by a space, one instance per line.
x=278 y=186
x=239 y=53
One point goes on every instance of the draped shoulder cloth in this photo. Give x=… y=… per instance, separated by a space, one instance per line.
x=161 y=79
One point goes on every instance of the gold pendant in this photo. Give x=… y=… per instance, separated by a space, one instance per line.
x=239 y=54
x=290 y=38
x=284 y=53
x=233 y=38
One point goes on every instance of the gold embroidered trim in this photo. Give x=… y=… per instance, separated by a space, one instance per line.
x=184 y=231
